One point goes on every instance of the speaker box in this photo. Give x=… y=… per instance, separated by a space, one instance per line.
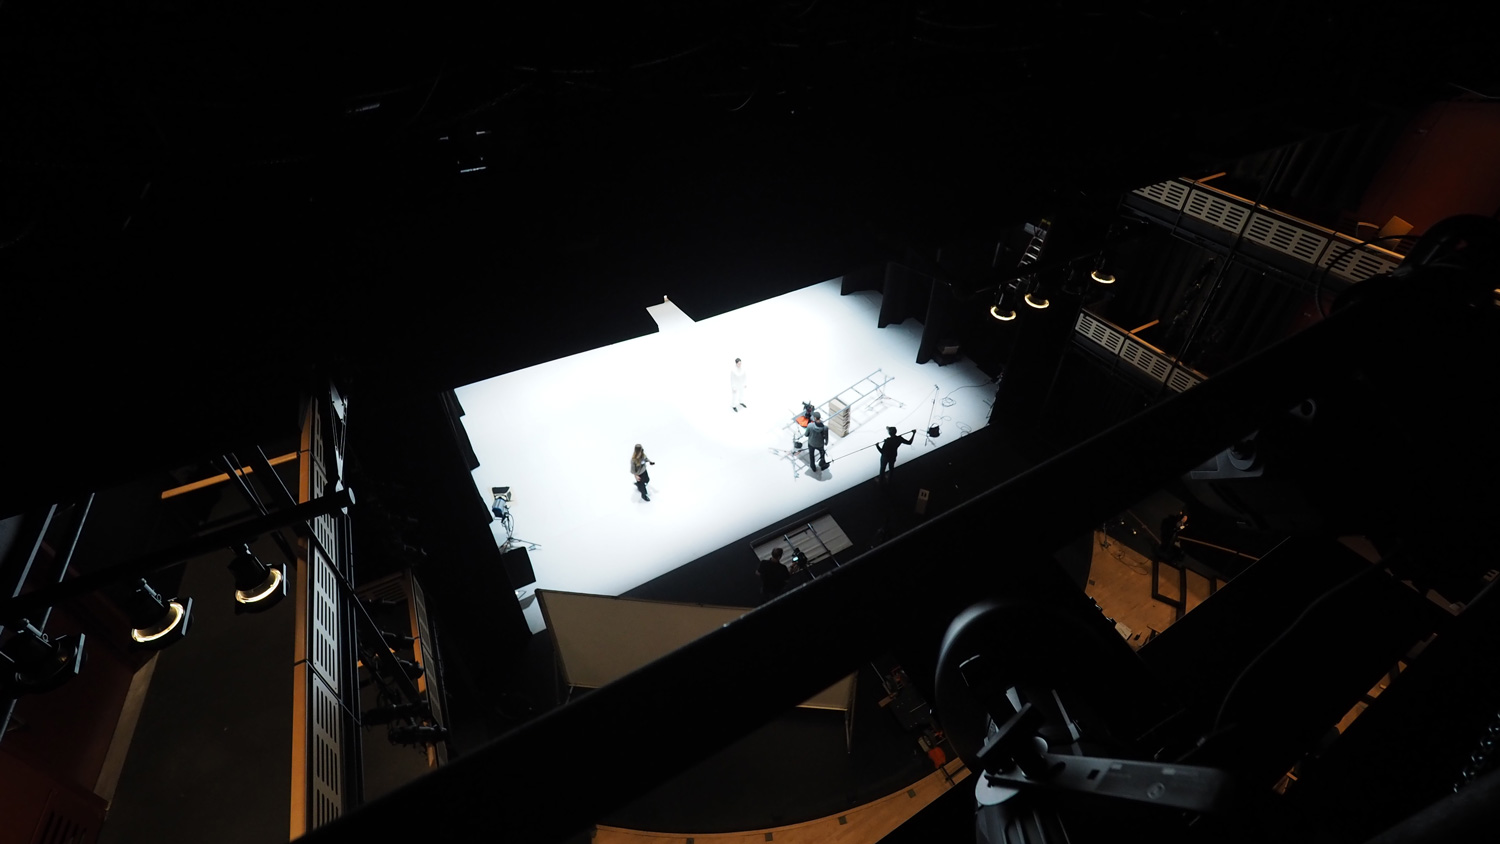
x=518 y=568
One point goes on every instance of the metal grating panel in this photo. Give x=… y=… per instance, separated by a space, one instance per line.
x=1217 y=210
x=1181 y=379
x=426 y=652
x=1170 y=194
x=1285 y=237
x=327 y=762
x=323 y=637
x=63 y=823
x=1146 y=361
x=1100 y=332
x=1359 y=265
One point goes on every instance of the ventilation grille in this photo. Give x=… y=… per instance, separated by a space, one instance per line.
x=323 y=638
x=327 y=764
x=1285 y=237
x=1359 y=265
x=1170 y=194
x=427 y=655
x=1100 y=332
x=1181 y=379
x=1147 y=361
x=64 y=819
x=1217 y=210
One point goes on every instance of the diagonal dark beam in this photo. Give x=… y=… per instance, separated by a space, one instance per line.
x=174 y=555
x=562 y=772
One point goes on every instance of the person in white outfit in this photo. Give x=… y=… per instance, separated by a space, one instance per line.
x=737 y=386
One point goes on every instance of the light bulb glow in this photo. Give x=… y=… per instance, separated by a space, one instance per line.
x=271 y=584
x=149 y=634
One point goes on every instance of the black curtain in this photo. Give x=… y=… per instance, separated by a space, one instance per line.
x=904 y=294
x=1322 y=178
x=1211 y=310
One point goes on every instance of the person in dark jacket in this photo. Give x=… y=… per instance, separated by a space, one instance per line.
x=773 y=574
x=888 y=450
x=817 y=442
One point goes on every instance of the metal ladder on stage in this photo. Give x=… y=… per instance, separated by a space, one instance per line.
x=838 y=416
x=836 y=412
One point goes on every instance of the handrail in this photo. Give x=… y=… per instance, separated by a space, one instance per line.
x=569 y=767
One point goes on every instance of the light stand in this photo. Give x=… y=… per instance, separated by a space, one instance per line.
x=500 y=507
x=932 y=431
x=881 y=398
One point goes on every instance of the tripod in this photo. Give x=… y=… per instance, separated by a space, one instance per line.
x=882 y=399
x=932 y=431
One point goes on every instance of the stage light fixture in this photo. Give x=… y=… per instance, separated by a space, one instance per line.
x=411 y=669
x=157 y=622
x=31 y=663
x=257 y=586
x=1102 y=277
x=500 y=506
x=1037 y=299
x=1004 y=307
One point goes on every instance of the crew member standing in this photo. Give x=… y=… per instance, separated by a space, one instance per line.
x=889 y=447
x=817 y=440
x=773 y=574
x=737 y=386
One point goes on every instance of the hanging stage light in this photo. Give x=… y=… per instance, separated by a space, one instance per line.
x=1037 y=299
x=1102 y=277
x=156 y=622
x=31 y=663
x=1004 y=309
x=257 y=586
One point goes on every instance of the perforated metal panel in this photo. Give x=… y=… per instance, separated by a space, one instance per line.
x=1356 y=265
x=1100 y=332
x=426 y=652
x=1144 y=359
x=65 y=819
x=327 y=757
x=1217 y=210
x=323 y=649
x=1171 y=193
x=1181 y=379
x=1285 y=237
x=318 y=789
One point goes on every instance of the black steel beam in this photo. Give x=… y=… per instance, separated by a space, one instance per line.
x=571 y=766
x=164 y=558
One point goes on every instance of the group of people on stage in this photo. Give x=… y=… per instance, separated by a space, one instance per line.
x=812 y=424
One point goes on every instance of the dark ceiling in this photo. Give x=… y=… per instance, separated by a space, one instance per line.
x=204 y=206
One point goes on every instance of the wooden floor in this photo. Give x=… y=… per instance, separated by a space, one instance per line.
x=1120 y=583
x=865 y=824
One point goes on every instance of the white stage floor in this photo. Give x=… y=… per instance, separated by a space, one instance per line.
x=560 y=434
